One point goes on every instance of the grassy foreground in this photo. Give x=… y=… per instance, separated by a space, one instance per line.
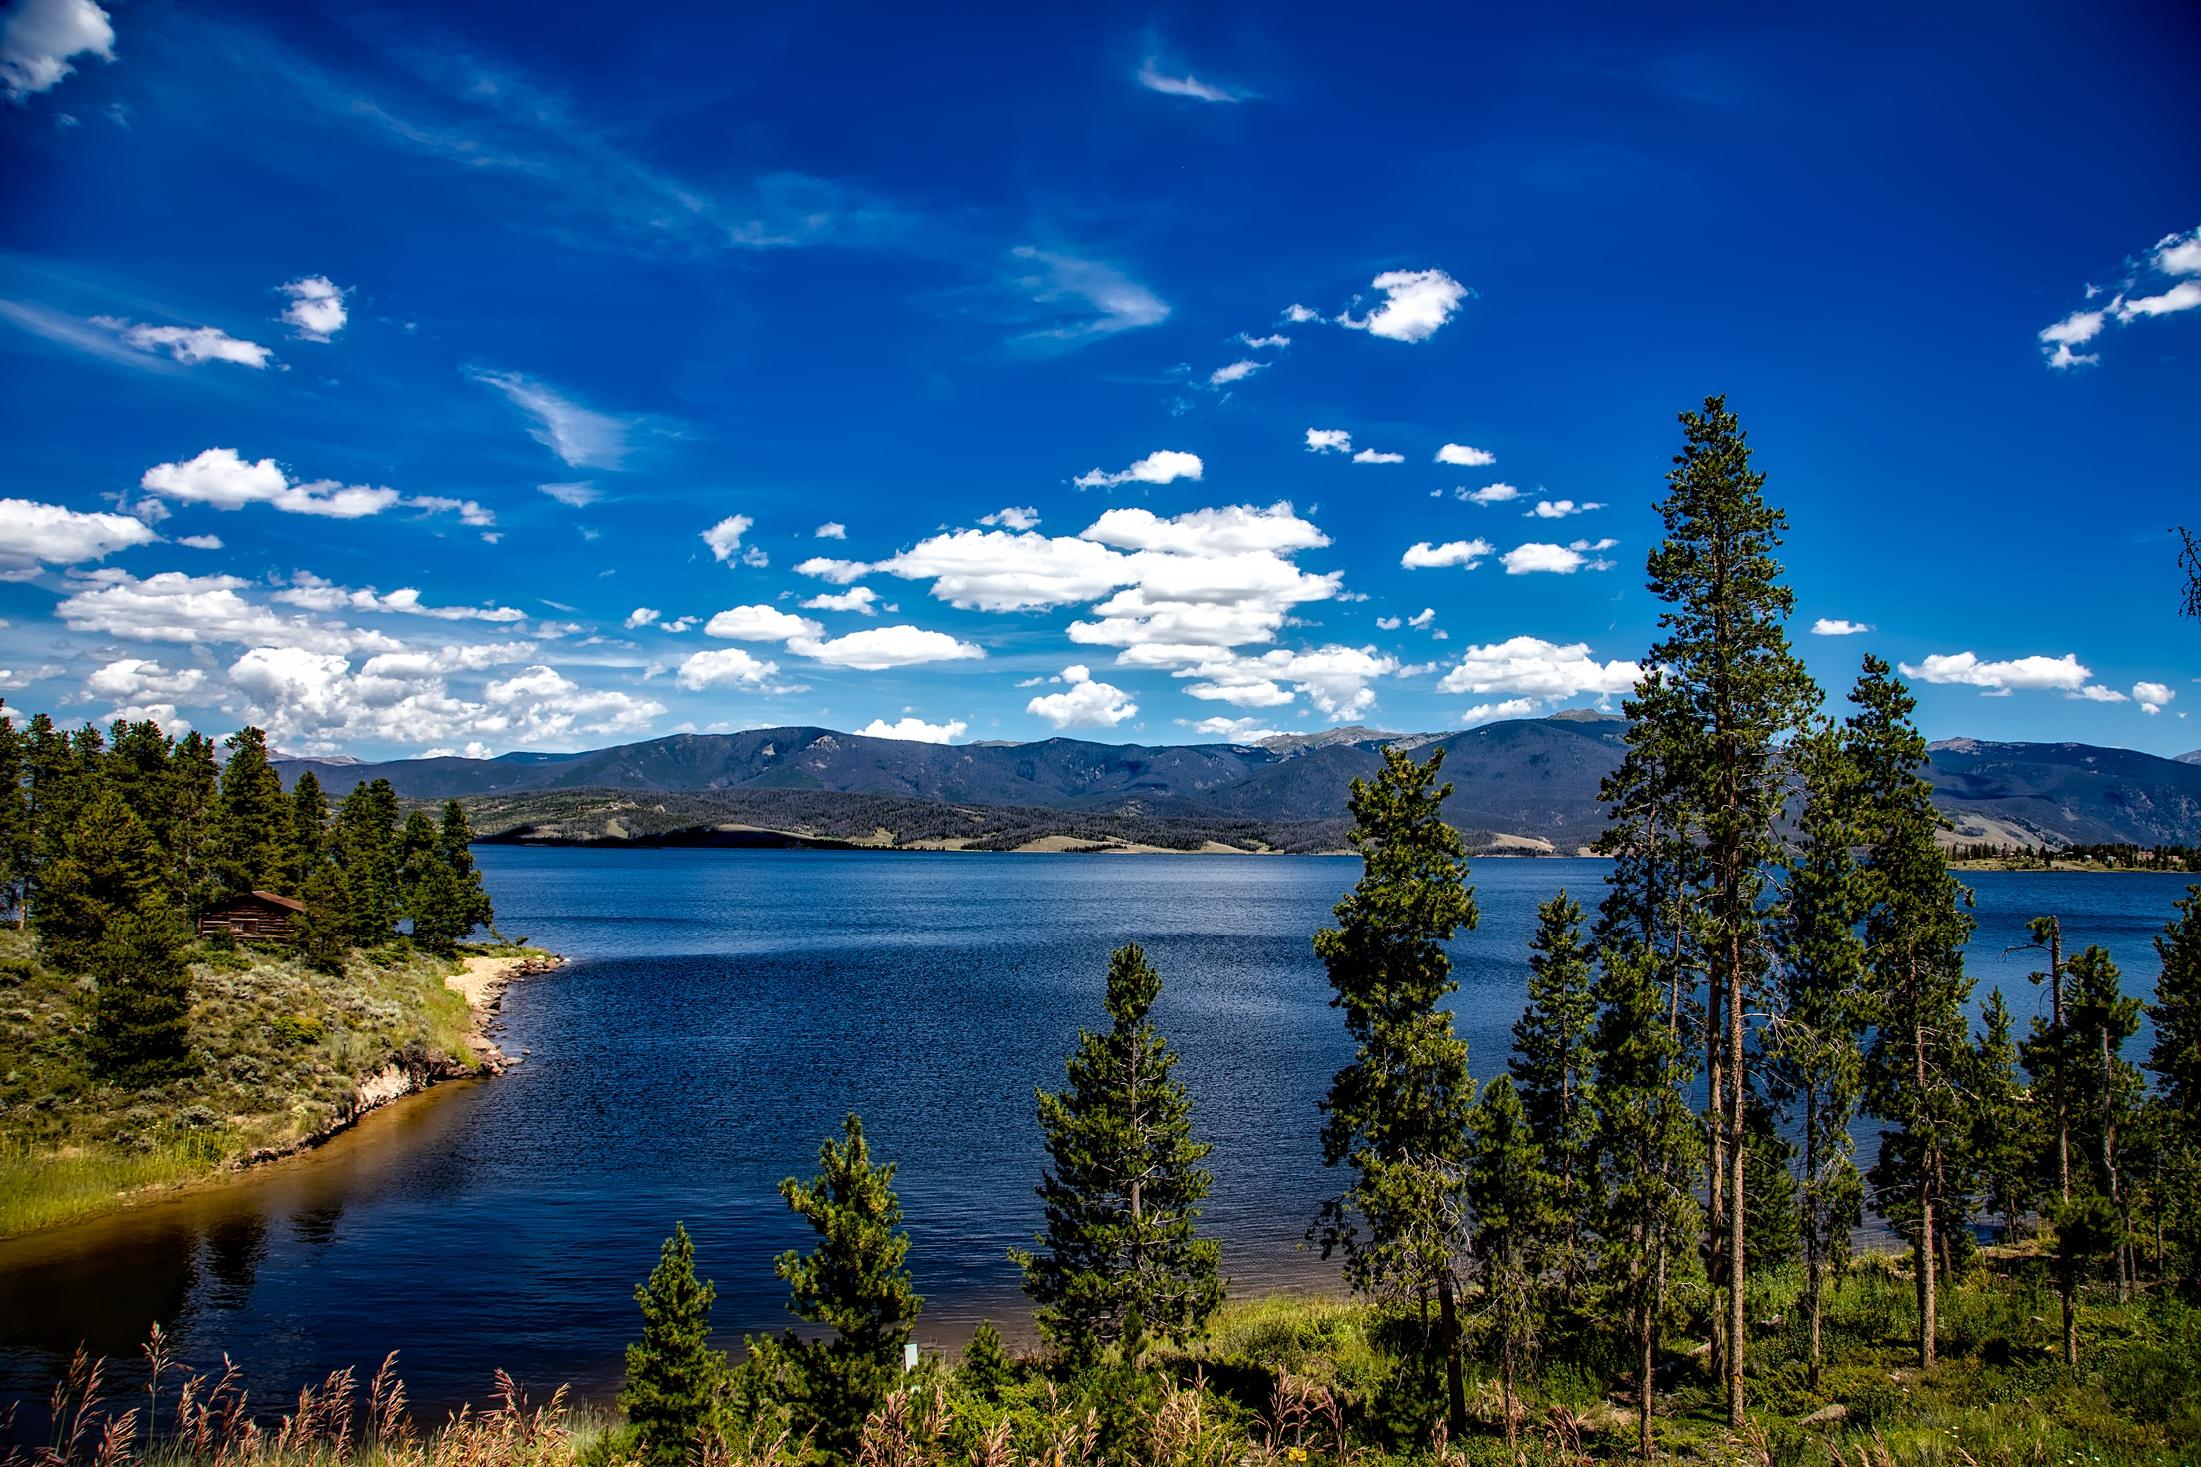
x=1297 y=1381
x=280 y=1053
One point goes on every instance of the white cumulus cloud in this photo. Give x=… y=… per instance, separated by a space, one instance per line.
x=760 y=624
x=41 y=39
x=316 y=308
x=1416 y=303
x=34 y=534
x=858 y=599
x=2152 y=696
x=915 y=730
x=1464 y=456
x=1834 y=626
x=2065 y=674
x=1084 y=702
x=876 y=648
x=1422 y=555
x=1374 y=456
x=728 y=667
x=1163 y=466
x=724 y=538
x=1329 y=440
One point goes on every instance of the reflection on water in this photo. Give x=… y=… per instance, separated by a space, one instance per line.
x=721 y=1011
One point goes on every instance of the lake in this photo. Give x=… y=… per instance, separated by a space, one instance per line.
x=720 y=1013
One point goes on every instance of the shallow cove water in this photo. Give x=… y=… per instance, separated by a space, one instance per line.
x=721 y=1011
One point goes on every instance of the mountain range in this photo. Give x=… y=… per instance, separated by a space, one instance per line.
x=1526 y=784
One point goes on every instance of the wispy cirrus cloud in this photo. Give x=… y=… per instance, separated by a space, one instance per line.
x=1154 y=78
x=583 y=437
x=1079 y=299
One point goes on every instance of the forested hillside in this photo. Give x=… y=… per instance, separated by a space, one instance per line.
x=1531 y=783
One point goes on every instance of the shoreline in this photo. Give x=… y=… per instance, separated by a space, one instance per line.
x=481 y=982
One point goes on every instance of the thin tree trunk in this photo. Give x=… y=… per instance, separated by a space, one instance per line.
x=2063 y=1081
x=1715 y=1192
x=2070 y=1292
x=1739 y=1092
x=1648 y=1332
x=1513 y=1434
x=1448 y=1323
x=1928 y=1166
x=1811 y=1223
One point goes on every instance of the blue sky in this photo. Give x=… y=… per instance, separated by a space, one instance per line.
x=498 y=376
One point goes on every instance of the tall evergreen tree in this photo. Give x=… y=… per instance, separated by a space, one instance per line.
x=2176 y=1062
x=2002 y=1134
x=323 y=932
x=1739 y=690
x=2107 y=1087
x=255 y=824
x=15 y=823
x=672 y=1371
x=441 y=908
x=1648 y=1149
x=1812 y=1060
x=1648 y=956
x=2047 y=1053
x=855 y=1283
x=1397 y=1114
x=1516 y=1202
x=366 y=841
x=108 y=869
x=1551 y=1066
x=307 y=848
x=1122 y=1259
x=194 y=802
x=142 y=993
x=457 y=838
x=1916 y=925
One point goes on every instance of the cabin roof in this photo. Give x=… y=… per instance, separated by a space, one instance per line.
x=273 y=899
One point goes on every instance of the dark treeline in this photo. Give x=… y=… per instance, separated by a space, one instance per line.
x=2121 y=855
x=113 y=845
x=1801 y=971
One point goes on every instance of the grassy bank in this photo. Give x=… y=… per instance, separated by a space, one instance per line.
x=1296 y=1381
x=279 y=1056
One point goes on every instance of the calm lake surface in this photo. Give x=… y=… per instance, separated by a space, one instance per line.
x=720 y=1013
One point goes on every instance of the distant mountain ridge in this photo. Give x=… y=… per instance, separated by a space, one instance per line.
x=1525 y=783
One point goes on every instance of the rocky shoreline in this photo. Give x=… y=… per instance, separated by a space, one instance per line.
x=482 y=983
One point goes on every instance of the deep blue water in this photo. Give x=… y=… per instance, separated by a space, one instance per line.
x=720 y=1013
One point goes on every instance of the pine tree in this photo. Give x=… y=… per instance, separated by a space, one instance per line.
x=1916 y=925
x=985 y=1370
x=1551 y=1066
x=142 y=994
x=109 y=868
x=440 y=907
x=1812 y=1049
x=367 y=850
x=2106 y=1087
x=854 y=1283
x=457 y=838
x=1397 y=1115
x=1647 y=1148
x=1122 y=1260
x=194 y=801
x=2002 y=1135
x=1772 y=1219
x=15 y=824
x=672 y=1371
x=2047 y=1053
x=1648 y=954
x=1738 y=691
x=307 y=849
x=323 y=932
x=2176 y=1062
x=255 y=823
x=1516 y=1202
